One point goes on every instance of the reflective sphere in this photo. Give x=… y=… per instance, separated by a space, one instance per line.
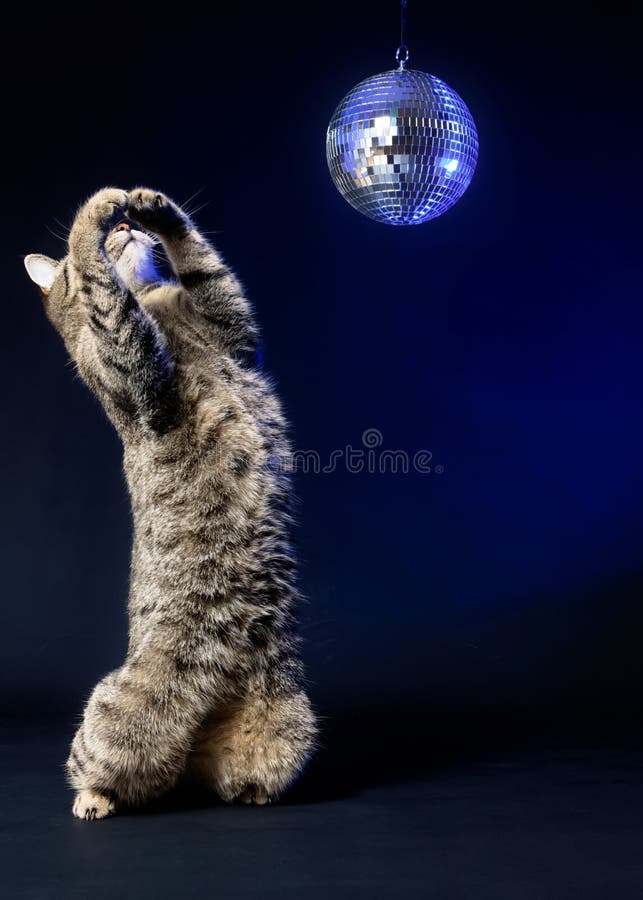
x=402 y=147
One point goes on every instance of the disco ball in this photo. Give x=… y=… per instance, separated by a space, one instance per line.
x=402 y=147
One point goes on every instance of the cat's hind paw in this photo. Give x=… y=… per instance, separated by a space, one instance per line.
x=90 y=805
x=256 y=795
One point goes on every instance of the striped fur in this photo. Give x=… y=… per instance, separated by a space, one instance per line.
x=211 y=688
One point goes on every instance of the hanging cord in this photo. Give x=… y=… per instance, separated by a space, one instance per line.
x=402 y=55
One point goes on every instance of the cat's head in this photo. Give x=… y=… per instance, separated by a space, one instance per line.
x=131 y=253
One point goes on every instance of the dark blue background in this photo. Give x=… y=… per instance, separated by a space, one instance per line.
x=505 y=337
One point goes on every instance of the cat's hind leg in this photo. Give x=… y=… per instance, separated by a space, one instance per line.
x=255 y=748
x=136 y=732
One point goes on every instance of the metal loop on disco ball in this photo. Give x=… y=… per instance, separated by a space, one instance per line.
x=402 y=55
x=402 y=147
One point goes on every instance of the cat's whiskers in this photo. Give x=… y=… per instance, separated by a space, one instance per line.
x=60 y=237
x=197 y=209
x=192 y=197
x=65 y=228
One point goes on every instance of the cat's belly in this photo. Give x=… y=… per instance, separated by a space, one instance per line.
x=208 y=515
x=201 y=582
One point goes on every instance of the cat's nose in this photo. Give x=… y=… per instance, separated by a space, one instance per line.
x=123 y=227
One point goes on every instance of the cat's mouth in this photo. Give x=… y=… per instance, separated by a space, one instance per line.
x=131 y=252
x=121 y=237
x=120 y=249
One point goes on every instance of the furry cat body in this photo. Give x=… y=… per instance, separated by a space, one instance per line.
x=212 y=683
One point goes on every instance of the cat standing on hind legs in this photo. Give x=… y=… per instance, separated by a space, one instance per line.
x=212 y=683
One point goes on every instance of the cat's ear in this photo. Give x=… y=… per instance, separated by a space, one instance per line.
x=42 y=270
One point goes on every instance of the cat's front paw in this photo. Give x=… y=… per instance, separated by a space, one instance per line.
x=105 y=207
x=155 y=212
x=90 y=805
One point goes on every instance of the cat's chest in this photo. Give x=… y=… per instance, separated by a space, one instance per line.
x=186 y=334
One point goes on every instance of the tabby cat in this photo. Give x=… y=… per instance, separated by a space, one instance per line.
x=211 y=688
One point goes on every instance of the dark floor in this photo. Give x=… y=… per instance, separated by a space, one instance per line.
x=528 y=824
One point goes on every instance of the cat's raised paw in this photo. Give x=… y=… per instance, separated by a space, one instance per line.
x=106 y=205
x=155 y=211
x=90 y=805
